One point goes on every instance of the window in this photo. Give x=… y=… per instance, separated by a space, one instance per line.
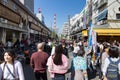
x=14 y=7
x=118 y=16
x=82 y=19
x=119 y=9
x=102 y=15
x=5 y=2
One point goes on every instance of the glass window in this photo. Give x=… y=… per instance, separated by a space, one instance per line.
x=118 y=16
x=5 y=2
x=119 y=8
x=82 y=19
x=14 y=7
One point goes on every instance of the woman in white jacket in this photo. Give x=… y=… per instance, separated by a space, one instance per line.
x=11 y=68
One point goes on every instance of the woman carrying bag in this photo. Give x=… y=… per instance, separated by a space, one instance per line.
x=11 y=68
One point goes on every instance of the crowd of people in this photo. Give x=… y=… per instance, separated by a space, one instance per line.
x=104 y=60
x=53 y=56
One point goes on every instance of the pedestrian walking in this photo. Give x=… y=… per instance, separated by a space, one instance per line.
x=105 y=54
x=58 y=64
x=76 y=49
x=79 y=66
x=9 y=44
x=38 y=62
x=11 y=68
x=111 y=69
x=65 y=49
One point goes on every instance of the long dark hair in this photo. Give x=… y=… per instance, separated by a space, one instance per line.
x=58 y=55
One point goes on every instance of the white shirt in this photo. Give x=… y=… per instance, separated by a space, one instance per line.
x=107 y=62
x=0 y=73
x=50 y=43
x=76 y=49
x=9 y=44
x=104 y=56
x=53 y=50
x=18 y=70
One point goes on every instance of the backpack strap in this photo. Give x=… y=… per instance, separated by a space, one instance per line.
x=3 y=71
x=10 y=71
x=110 y=60
x=14 y=76
x=116 y=62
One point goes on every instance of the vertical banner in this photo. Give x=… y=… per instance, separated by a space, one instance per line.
x=90 y=35
x=94 y=40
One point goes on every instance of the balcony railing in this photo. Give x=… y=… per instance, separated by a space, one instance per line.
x=102 y=2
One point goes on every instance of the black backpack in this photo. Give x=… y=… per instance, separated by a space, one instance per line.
x=113 y=71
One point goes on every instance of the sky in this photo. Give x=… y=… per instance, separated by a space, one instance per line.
x=62 y=9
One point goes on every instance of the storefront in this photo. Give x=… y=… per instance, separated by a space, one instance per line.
x=105 y=34
x=9 y=24
x=108 y=34
x=34 y=32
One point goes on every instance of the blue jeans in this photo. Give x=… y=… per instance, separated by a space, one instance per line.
x=59 y=77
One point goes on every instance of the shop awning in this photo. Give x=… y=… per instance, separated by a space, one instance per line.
x=102 y=15
x=84 y=32
x=107 y=31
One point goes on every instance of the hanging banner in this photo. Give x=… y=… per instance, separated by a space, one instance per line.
x=90 y=35
x=94 y=41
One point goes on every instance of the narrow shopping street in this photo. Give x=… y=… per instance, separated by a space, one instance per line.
x=87 y=32
x=29 y=75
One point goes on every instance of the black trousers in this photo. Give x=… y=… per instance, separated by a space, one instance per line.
x=40 y=76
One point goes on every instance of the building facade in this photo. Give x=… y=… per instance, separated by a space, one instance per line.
x=17 y=22
x=104 y=18
x=66 y=29
x=106 y=22
x=29 y=4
